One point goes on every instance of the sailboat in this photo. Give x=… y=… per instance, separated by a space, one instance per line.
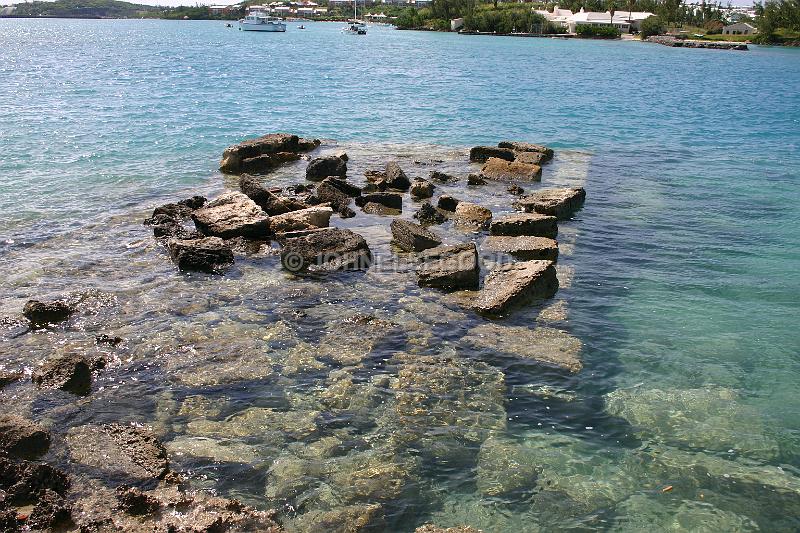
x=355 y=26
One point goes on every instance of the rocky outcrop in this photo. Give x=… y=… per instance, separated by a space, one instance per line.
x=24 y=482
x=472 y=215
x=516 y=190
x=530 y=158
x=51 y=512
x=209 y=254
x=71 y=373
x=479 y=154
x=549 y=346
x=322 y=167
x=449 y=267
x=330 y=249
x=421 y=189
x=523 y=247
x=511 y=285
x=391 y=200
x=475 y=180
x=411 y=237
x=502 y=170
x=560 y=203
x=122 y=453
x=23 y=438
x=506 y=469
x=392 y=177
x=342 y=185
x=429 y=215
x=311 y=218
x=447 y=202
x=44 y=313
x=264 y=153
x=528 y=147
x=167 y=219
x=532 y=224
x=443 y=177
x=431 y=528
x=232 y=215
x=326 y=193
x=270 y=203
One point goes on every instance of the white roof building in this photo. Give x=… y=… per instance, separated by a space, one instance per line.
x=623 y=20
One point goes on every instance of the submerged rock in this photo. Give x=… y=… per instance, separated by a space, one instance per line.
x=560 y=203
x=431 y=528
x=472 y=215
x=528 y=147
x=533 y=224
x=23 y=438
x=232 y=215
x=330 y=249
x=264 y=153
x=506 y=469
x=270 y=203
x=51 y=512
x=523 y=247
x=44 y=313
x=449 y=267
x=209 y=254
x=502 y=170
x=429 y=215
x=421 y=189
x=71 y=373
x=322 y=167
x=391 y=200
x=303 y=219
x=350 y=340
x=412 y=237
x=341 y=519
x=122 y=452
x=545 y=345
x=480 y=154
x=514 y=284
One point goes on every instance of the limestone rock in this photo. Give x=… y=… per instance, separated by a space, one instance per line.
x=272 y=204
x=210 y=254
x=523 y=247
x=528 y=147
x=330 y=249
x=412 y=237
x=530 y=158
x=43 y=313
x=482 y=153
x=51 y=512
x=431 y=528
x=7 y=378
x=322 y=167
x=502 y=170
x=449 y=267
x=303 y=219
x=421 y=189
x=546 y=345
x=232 y=215
x=23 y=438
x=264 y=152
x=532 y=224
x=516 y=190
x=472 y=215
x=71 y=373
x=475 y=179
x=560 y=203
x=342 y=519
x=516 y=283
x=24 y=481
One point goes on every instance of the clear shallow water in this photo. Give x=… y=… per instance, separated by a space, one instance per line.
x=683 y=287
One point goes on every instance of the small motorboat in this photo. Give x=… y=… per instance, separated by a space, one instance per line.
x=355 y=27
x=301 y=27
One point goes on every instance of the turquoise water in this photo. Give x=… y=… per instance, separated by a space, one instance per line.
x=686 y=262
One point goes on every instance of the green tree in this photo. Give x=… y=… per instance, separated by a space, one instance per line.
x=652 y=26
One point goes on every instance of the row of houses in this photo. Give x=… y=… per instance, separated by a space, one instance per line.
x=624 y=21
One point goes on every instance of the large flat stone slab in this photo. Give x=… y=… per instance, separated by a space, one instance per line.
x=329 y=249
x=528 y=147
x=533 y=224
x=560 y=203
x=523 y=247
x=264 y=153
x=232 y=215
x=511 y=285
x=412 y=237
x=303 y=219
x=549 y=346
x=502 y=170
x=449 y=267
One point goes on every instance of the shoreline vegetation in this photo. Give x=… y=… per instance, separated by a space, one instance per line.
x=778 y=21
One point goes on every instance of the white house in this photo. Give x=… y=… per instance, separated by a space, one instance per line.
x=624 y=21
x=740 y=28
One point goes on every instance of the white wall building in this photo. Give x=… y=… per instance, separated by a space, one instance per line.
x=740 y=28
x=624 y=21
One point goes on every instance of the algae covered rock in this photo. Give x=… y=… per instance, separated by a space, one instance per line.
x=506 y=469
x=546 y=345
x=343 y=519
x=232 y=215
x=23 y=438
x=43 y=313
x=210 y=255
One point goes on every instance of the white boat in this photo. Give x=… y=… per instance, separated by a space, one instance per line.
x=259 y=22
x=355 y=26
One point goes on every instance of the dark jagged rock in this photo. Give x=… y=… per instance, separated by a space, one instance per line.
x=8 y=518
x=71 y=373
x=502 y=170
x=195 y=202
x=523 y=247
x=443 y=177
x=43 y=313
x=7 y=378
x=475 y=179
x=516 y=190
x=270 y=203
x=176 y=211
x=412 y=237
x=421 y=189
x=24 y=481
x=342 y=185
x=480 y=154
x=210 y=254
x=513 y=284
x=264 y=153
x=330 y=249
x=560 y=203
x=530 y=158
x=532 y=224
x=51 y=512
x=528 y=147
x=429 y=215
x=136 y=502
x=322 y=167
x=391 y=200
x=122 y=452
x=449 y=267
x=175 y=230
x=447 y=202
x=232 y=215
x=328 y=194
x=392 y=177
x=23 y=438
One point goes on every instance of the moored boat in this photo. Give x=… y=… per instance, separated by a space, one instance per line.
x=259 y=22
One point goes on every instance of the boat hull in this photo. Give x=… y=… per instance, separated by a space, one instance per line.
x=269 y=27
